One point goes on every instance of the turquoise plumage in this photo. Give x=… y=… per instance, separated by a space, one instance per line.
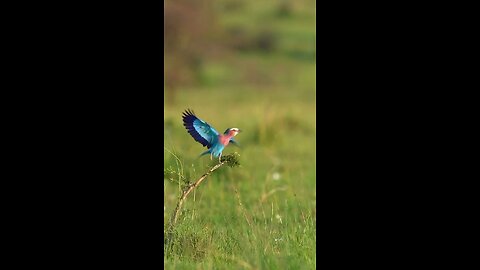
x=205 y=134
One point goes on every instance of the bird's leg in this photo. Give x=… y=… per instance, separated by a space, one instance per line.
x=211 y=156
x=220 y=158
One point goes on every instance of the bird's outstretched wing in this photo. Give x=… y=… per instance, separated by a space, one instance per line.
x=200 y=130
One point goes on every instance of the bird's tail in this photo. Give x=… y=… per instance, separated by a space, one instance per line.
x=206 y=152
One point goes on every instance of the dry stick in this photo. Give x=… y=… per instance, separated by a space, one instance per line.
x=173 y=219
x=230 y=160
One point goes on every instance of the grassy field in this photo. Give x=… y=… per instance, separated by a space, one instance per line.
x=262 y=214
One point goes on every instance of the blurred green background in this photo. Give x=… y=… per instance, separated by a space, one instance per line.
x=251 y=65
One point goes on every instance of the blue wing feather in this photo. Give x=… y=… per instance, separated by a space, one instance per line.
x=200 y=130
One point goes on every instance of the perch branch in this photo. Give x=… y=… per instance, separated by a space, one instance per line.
x=230 y=160
x=173 y=219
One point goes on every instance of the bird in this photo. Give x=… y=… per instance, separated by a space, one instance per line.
x=205 y=134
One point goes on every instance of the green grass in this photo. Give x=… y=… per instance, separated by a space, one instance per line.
x=261 y=215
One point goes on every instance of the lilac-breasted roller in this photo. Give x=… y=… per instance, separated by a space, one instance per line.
x=205 y=134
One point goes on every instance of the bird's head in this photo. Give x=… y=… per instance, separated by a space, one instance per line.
x=232 y=131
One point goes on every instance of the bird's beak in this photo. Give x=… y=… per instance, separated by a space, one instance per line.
x=239 y=130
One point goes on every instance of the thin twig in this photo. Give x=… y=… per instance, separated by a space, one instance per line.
x=230 y=160
x=173 y=219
